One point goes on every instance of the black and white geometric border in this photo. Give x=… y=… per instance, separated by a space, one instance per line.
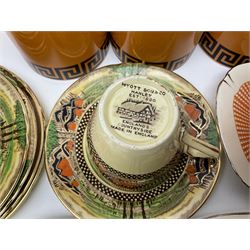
x=76 y=70
x=126 y=58
x=220 y=53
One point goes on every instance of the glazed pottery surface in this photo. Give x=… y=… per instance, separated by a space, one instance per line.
x=164 y=49
x=233 y=111
x=227 y=48
x=62 y=55
x=32 y=162
x=89 y=186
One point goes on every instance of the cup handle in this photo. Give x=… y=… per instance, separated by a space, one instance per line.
x=198 y=148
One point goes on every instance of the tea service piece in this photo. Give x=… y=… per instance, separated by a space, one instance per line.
x=34 y=159
x=61 y=55
x=14 y=137
x=169 y=50
x=132 y=141
x=233 y=112
x=229 y=48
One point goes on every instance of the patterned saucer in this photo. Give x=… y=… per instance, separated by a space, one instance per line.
x=34 y=157
x=90 y=188
x=14 y=138
x=233 y=112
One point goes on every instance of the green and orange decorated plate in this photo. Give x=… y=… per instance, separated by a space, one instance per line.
x=33 y=161
x=14 y=140
x=89 y=188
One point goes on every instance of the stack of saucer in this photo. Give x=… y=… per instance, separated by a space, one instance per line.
x=21 y=141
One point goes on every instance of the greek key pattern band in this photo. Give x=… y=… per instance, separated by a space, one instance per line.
x=76 y=70
x=125 y=57
x=220 y=53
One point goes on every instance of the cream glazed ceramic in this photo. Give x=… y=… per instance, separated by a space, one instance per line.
x=94 y=113
x=233 y=112
x=136 y=126
x=137 y=129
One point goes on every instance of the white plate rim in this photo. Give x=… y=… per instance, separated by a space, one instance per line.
x=227 y=88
